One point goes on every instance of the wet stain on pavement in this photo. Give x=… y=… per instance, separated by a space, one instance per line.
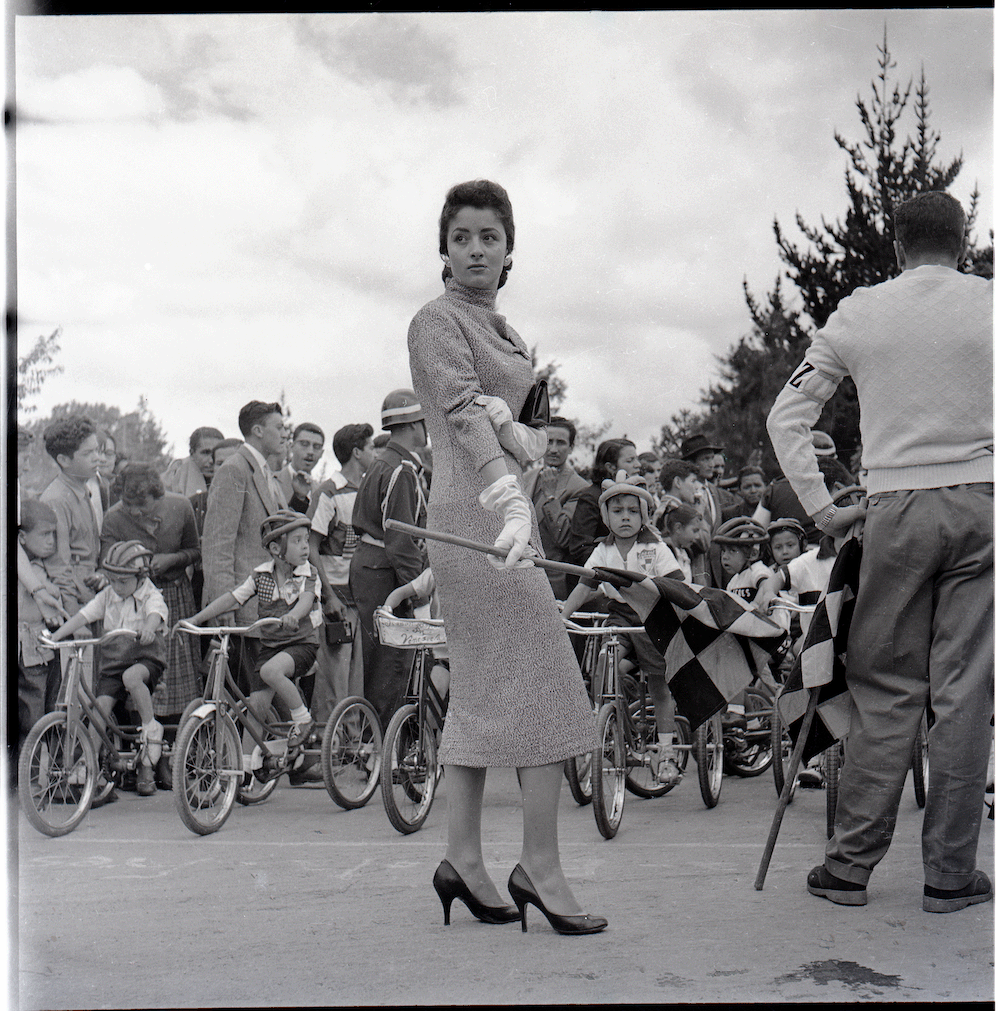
x=669 y=979
x=851 y=974
x=729 y=972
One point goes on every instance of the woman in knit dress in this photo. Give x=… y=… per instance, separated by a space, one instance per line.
x=517 y=698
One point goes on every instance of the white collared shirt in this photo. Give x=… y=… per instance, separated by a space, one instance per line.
x=126 y=612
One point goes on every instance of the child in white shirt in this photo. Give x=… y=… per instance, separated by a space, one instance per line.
x=632 y=544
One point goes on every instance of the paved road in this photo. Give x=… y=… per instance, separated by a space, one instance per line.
x=297 y=902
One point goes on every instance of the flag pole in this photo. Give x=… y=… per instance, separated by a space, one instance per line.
x=786 y=791
x=488 y=549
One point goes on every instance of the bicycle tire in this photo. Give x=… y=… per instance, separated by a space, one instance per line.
x=708 y=753
x=756 y=757
x=208 y=770
x=919 y=763
x=682 y=749
x=609 y=771
x=351 y=754
x=833 y=761
x=580 y=779
x=409 y=769
x=52 y=755
x=781 y=752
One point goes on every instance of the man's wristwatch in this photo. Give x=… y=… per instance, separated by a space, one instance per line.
x=825 y=518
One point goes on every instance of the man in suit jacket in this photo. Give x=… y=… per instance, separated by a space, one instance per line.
x=716 y=504
x=305 y=452
x=553 y=487
x=243 y=492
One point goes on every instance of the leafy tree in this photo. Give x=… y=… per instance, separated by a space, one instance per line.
x=882 y=172
x=34 y=367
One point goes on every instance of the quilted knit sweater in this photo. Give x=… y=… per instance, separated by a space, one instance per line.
x=919 y=348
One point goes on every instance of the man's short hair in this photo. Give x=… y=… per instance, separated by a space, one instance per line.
x=675 y=469
x=834 y=472
x=199 y=434
x=380 y=440
x=254 y=413
x=350 y=438
x=33 y=512
x=65 y=436
x=308 y=426
x=558 y=422
x=226 y=444
x=931 y=222
x=750 y=468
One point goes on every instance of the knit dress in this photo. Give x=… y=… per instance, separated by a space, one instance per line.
x=517 y=697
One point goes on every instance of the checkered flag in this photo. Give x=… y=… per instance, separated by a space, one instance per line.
x=821 y=662
x=714 y=641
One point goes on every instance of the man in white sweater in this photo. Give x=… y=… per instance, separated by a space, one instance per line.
x=919 y=348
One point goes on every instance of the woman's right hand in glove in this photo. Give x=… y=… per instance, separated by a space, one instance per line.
x=504 y=496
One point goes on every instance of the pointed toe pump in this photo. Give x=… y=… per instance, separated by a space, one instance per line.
x=523 y=892
x=449 y=885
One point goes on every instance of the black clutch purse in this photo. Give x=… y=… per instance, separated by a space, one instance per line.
x=535 y=413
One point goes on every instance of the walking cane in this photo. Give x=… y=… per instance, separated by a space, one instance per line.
x=786 y=790
x=488 y=549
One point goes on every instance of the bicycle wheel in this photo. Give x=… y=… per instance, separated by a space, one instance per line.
x=208 y=770
x=683 y=747
x=708 y=749
x=640 y=779
x=781 y=753
x=919 y=763
x=754 y=757
x=56 y=774
x=351 y=755
x=409 y=770
x=609 y=771
x=578 y=775
x=833 y=760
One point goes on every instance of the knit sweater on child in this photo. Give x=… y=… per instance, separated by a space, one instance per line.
x=926 y=417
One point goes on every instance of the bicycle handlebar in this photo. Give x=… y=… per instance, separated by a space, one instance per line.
x=595 y=630
x=185 y=626
x=75 y=643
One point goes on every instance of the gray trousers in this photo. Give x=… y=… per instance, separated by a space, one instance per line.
x=922 y=631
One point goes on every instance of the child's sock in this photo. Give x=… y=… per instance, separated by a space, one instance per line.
x=301 y=715
x=152 y=733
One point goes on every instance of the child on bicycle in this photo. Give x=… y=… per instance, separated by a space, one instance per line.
x=740 y=541
x=632 y=544
x=681 y=526
x=287 y=588
x=133 y=666
x=422 y=587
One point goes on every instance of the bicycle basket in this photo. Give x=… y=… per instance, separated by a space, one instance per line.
x=408 y=633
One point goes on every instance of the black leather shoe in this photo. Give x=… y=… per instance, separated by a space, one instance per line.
x=944 y=900
x=164 y=777
x=522 y=891
x=827 y=886
x=308 y=774
x=449 y=885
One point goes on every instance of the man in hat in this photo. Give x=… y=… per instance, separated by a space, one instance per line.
x=392 y=488
x=715 y=503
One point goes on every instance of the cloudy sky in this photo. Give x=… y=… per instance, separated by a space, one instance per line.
x=217 y=208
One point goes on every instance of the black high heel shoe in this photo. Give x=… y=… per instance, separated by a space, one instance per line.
x=450 y=886
x=522 y=891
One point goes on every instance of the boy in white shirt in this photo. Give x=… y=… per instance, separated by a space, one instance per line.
x=633 y=544
x=129 y=601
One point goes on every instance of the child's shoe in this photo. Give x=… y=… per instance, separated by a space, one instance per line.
x=152 y=736
x=298 y=733
x=145 y=782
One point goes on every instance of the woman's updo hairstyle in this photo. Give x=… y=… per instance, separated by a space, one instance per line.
x=483 y=195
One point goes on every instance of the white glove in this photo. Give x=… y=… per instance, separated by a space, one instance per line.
x=523 y=443
x=505 y=497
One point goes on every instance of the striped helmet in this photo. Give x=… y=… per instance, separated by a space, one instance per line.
x=741 y=532
x=284 y=521
x=128 y=558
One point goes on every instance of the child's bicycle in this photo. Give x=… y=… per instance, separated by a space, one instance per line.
x=626 y=732
x=578 y=769
x=59 y=772
x=208 y=764
x=410 y=770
